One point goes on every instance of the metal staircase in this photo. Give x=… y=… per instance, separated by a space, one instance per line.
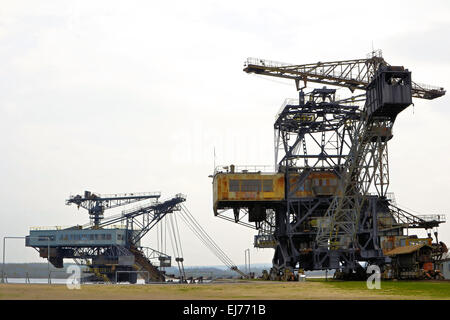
x=143 y=263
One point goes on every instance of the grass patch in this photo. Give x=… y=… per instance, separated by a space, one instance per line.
x=416 y=289
x=311 y=289
x=318 y=279
x=186 y=289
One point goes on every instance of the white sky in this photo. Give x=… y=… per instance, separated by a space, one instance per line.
x=114 y=96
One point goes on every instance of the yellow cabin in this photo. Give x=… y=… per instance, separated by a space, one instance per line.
x=236 y=188
x=245 y=189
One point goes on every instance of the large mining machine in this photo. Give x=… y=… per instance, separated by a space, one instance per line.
x=110 y=247
x=325 y=204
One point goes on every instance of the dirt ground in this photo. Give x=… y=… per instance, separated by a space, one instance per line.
x=214 y=291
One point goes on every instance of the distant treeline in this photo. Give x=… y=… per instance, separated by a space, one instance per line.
x=41 y=270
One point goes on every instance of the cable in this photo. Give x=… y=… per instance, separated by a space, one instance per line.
x=204 y=241
x=401 y=206
x=175 y=248
x=206 y=238
x=178 y=234
x=177 y=245
x=208 y=245
x=173 y=236
x=157 y=237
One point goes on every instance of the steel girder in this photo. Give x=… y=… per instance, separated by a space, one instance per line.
x=353 y=74
x=363 y=167
x=96 y=204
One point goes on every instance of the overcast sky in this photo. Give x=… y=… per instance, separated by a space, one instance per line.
x=127 y=96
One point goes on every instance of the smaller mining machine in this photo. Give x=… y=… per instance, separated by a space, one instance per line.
x=325 y=205
x=110 y=247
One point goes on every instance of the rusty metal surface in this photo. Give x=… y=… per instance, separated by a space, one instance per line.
x=388 y=243
x=405 y=249
x=317 y=183
x=222 y=183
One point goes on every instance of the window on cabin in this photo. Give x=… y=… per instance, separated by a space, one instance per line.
x=251 y=185
x=233 y=186
x=267 y=185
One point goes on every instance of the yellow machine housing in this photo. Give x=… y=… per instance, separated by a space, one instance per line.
x=236 y=188
x=267 y=189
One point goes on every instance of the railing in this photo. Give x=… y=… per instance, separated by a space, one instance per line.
x=320 y=69
x=266 y=63
x=391 y=197
x=375 y=54
x=82 y=227
x=426 y=87
x=151 y=204
x=432 y=217
x=246 y=169
x=151 y=253
x=50 y=228
x=116 y=226
x=138 y=208
x=337 y=70
x=427 y=221
x=295 y=102
x=129 y=194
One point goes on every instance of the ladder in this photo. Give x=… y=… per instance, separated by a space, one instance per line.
x=143 y=263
